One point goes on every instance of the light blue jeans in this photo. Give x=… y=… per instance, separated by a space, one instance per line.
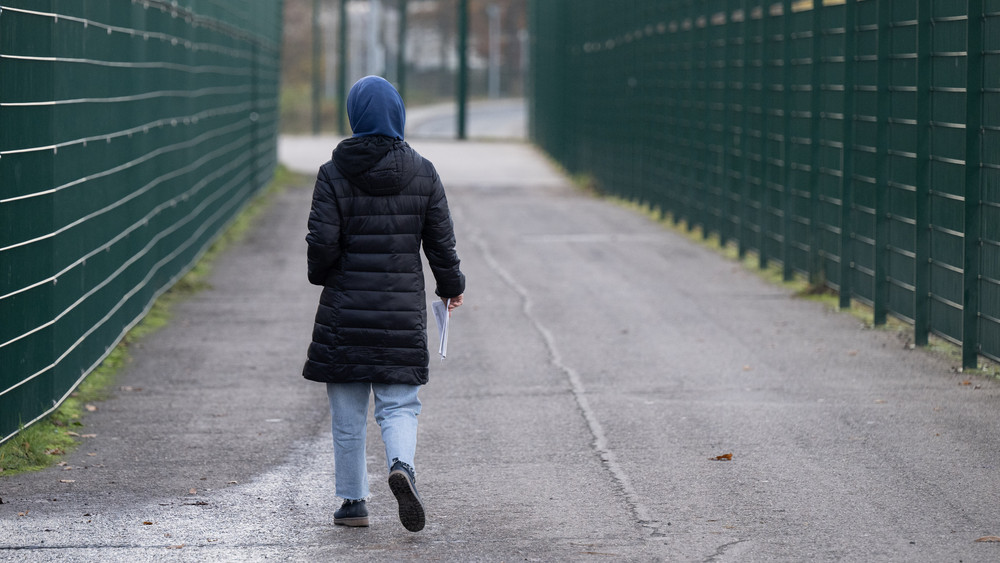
x=396 y=410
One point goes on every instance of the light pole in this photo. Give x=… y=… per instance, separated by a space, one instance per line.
x=463 y=64
x=316 y=58
x=493 y=79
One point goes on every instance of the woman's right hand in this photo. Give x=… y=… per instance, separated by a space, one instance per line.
x=454 y=303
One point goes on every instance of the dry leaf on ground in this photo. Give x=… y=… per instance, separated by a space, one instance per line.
x=723 y=457
x=989 y=539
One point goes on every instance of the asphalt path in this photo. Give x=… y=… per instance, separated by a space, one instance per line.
x=599 y=367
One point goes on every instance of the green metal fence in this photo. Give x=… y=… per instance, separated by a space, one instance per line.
x=131 y=132
x=856 y=142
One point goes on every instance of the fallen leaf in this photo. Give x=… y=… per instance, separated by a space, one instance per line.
x=92 y=454
x=193 y=491
x=747 y=367
x=90 y=408
x=880 y=401
x=966 y=382
x=67 y=481
x=181 y=546
x=88 y=435
x=989 y=539
x=71 y=433
x=852 y=352
x=25 y=513
x=55 y=451
x=147 y=523
x=723 y=457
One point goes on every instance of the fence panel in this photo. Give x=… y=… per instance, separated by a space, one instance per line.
x=989 y=288
x=854 y=142
x=130 y=134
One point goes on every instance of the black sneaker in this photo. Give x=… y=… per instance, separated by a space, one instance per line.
x=351 y=513
x=403 y=486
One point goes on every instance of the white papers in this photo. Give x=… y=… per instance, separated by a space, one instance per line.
x=440 y=309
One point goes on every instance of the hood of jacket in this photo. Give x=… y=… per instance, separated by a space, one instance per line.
x=377 y=165
x=374 y=107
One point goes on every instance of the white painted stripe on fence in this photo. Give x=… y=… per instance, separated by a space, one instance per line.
x=148 y=156
x=141 y=285
x=155 y=211
x=184 y=119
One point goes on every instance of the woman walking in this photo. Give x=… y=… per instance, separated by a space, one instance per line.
x=375 y=203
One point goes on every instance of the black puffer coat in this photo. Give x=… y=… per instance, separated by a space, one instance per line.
x=373 y=206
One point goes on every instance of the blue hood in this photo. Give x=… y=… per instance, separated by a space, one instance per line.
x=375 y=108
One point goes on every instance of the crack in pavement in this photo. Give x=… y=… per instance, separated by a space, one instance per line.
x=600 y=442
x=721 y=550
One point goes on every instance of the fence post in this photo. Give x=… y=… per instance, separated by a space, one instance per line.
x=766 y=31
x=814 y=262
x=744 y=230
x=973 y=177
x=688 y=117
x=880 y=289
x=847 y=157
x=922 y=270
x=704 y=25
x=787 y=191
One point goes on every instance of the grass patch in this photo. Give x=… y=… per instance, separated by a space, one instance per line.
x=48 y=440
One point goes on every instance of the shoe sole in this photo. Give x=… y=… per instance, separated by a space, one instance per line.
x=360 y=521
x=411 y=511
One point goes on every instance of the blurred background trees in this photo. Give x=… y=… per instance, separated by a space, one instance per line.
x=497 y=52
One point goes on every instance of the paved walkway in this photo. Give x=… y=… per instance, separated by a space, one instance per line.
x=598 y=368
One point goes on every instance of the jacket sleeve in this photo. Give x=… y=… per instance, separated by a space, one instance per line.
x=323 y=239
x=439 y=244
